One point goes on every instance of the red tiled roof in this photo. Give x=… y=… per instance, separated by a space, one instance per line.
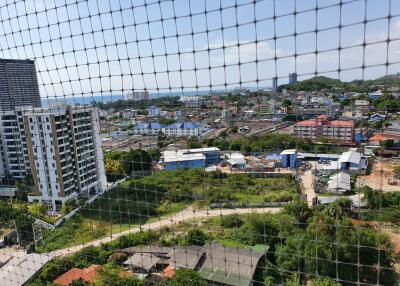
x=306 y=123
x=313 y=122
x=340 y=123
x=383 y=137
x=74 y=274
x=169 y=272
x=378 y=138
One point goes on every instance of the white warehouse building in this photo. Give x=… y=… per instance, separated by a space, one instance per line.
x=60 y=148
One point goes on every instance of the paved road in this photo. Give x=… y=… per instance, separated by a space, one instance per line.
x=185 y=215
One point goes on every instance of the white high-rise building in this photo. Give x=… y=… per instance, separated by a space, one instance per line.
x=137 y=95
x=60 y=148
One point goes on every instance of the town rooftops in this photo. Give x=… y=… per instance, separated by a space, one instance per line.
x=87 y=275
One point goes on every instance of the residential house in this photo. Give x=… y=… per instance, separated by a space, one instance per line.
x=376 y=117
x=87 y=274
x=362 y=106
x=375 y=95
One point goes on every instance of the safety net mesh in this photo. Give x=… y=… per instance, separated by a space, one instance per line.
x=199 y=142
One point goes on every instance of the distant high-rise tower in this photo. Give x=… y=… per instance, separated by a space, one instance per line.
x=18 y=84
x=274 y=83
x=292 y=78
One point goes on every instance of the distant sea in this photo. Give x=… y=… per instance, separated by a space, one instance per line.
x=83 y=100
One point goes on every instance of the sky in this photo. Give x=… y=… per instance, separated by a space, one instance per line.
x=92 y=47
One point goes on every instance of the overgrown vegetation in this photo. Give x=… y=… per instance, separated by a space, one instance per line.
x=16 y=215
x=138 y=201
x=382 y=206
x=119 y=164
x=329 y=84
x=270 y=143
x=300 y=240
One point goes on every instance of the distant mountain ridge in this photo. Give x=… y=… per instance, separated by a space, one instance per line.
x=325 y=83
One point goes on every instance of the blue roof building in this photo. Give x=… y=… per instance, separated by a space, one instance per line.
x=183 y=129
x=152 y=128
x=154 y=111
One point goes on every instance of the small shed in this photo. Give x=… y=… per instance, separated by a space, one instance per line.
x=339 y=183
x=144 y=262
x=188 y=257
x=236 y=159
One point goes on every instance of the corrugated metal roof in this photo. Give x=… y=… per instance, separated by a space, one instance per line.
x=289 y=152
x=231 y=266
x=236 y=159
x=143 y=260
x=173 y=156
x=21 y=269
x=350 y=157
x=340 y=181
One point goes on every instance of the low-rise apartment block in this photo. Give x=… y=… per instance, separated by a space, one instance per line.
x=340 y=130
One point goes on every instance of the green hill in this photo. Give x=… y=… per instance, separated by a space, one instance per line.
x=329 y=84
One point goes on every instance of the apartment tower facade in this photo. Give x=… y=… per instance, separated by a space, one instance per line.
x=18 y=84
x=60 y=148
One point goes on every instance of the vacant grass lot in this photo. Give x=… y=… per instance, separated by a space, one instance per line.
x=140 y=201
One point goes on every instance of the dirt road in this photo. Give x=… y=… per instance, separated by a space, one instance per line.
x=185 y=215
x=307 y=179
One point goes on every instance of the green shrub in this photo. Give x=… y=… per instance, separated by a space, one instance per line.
x=187 y=277
x=231 y=221
x=196 y=236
